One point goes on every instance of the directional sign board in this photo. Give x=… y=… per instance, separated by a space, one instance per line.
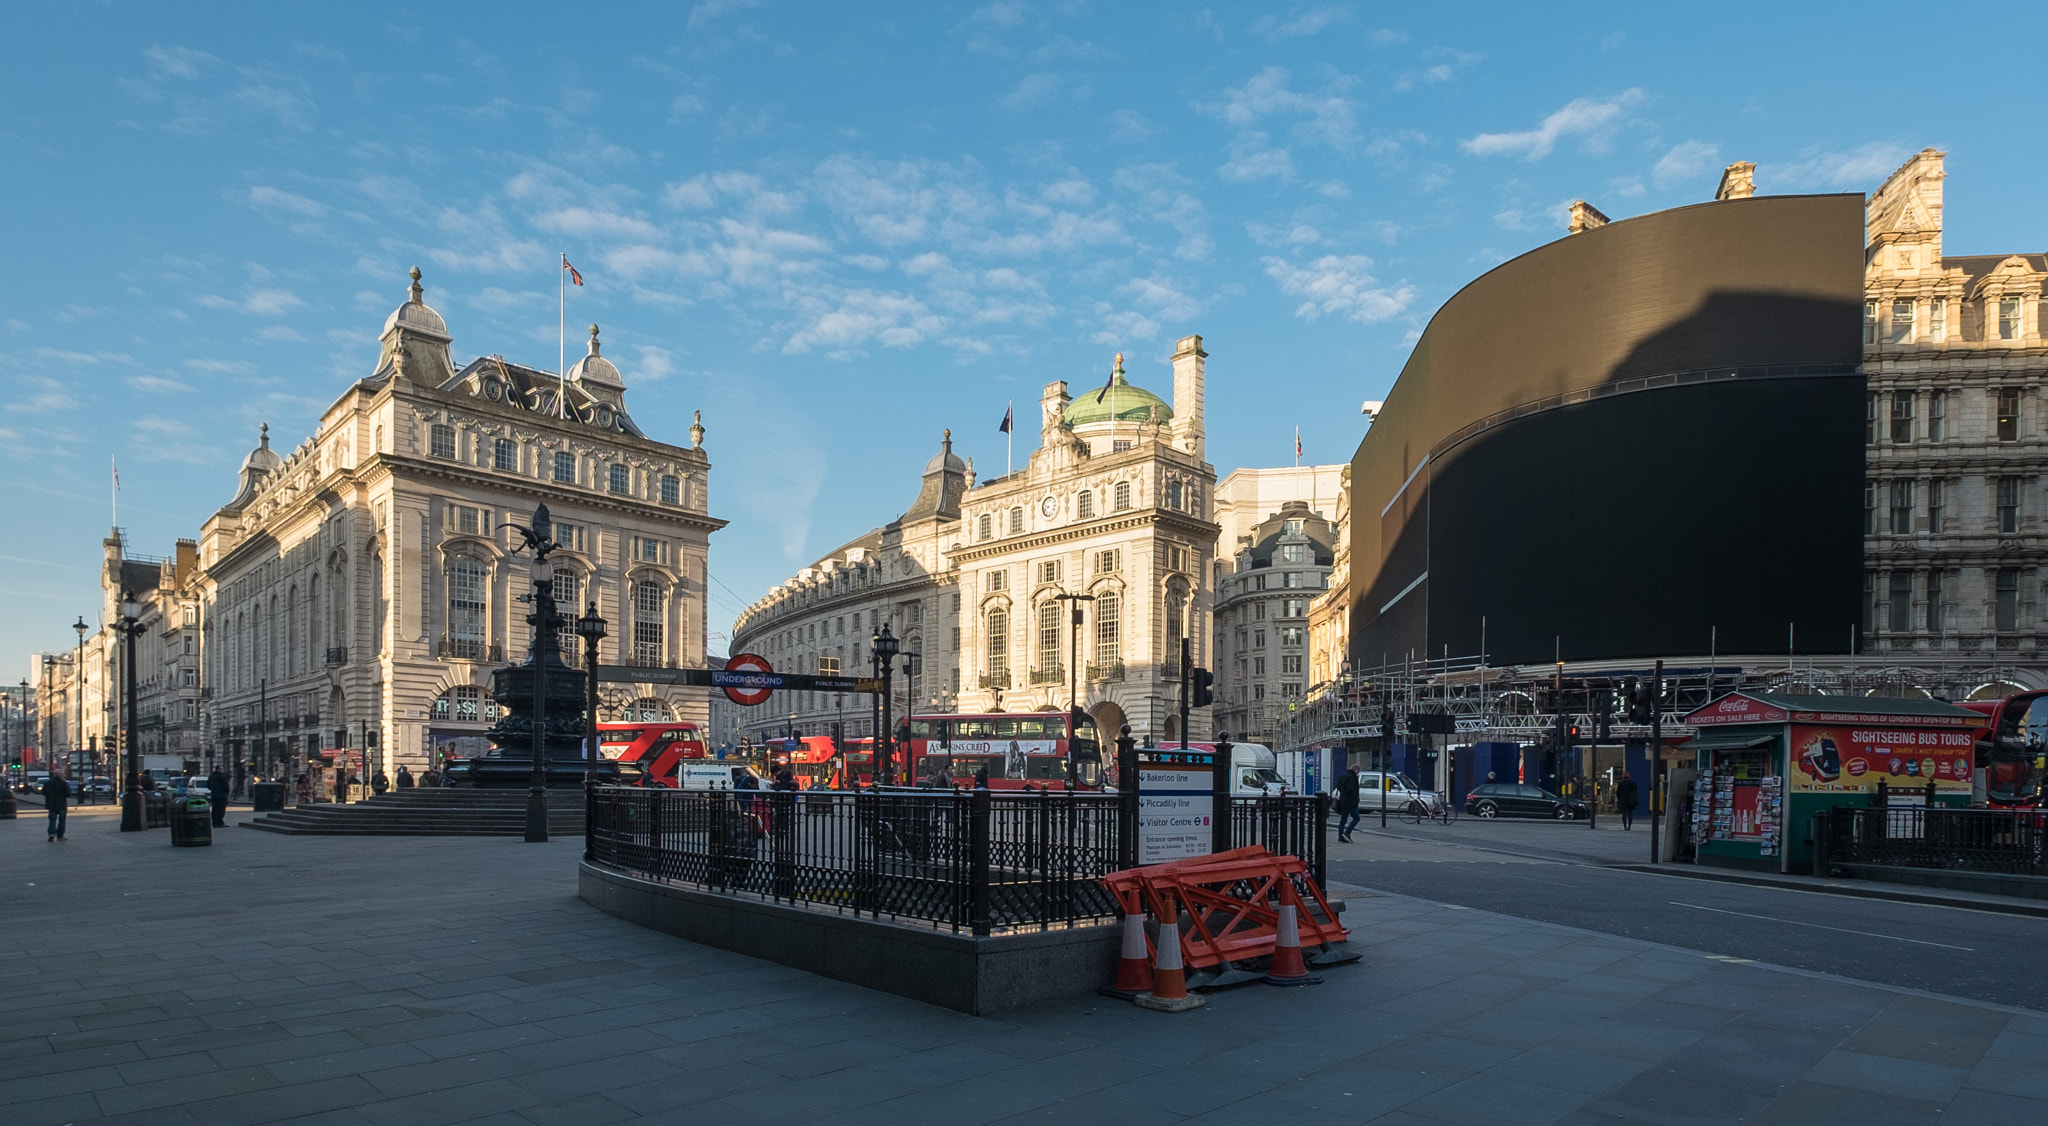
x=1175 y=804
x=747 y=679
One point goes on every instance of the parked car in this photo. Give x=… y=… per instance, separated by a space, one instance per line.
x=1513 y=799
x=1403 y=795
x=95 y=788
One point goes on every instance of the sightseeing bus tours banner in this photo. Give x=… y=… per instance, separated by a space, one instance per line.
x=1849 y=759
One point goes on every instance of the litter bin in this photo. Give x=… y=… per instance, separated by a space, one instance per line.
x=267 y=797
x=191 y=823
x=156 y=809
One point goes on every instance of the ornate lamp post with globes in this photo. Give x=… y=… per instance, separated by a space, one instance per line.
x=885 y=649
x=590 y=628
x=131 y=627
x=540 y=537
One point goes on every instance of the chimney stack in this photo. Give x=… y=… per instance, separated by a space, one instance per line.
x=1738 y=182
x=1585 y=217
x=1188 y=434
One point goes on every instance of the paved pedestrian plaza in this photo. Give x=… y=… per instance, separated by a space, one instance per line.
x=394 y=981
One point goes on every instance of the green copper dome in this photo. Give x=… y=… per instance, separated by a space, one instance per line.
x=1120 y=402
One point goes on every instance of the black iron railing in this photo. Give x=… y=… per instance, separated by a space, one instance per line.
x=967 y=860
x=1970 y=840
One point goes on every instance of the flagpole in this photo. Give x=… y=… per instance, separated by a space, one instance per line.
x=562 y=341
x=1009 y=438
x=114 y=489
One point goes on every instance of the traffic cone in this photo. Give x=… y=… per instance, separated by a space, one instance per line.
x=1287 y=967
x=1169 y=978
x=1134 y=964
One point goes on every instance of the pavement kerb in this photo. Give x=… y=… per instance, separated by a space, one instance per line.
x=1858 y=890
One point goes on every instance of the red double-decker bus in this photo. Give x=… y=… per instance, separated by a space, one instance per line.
x=650 y=751
x=2012 y=753
x=1018 y=749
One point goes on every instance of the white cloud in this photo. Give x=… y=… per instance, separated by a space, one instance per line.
x=45 y=396
x=1582 y=116
x=863 y=317
x=1327 y=116
x=1311 y=22
x=1685 y=160
x=1251 y=159
x=272 y=199
x=1339 y=285
x=656 y=364
x=258 y=303
x=1047 y=88
x=177 y=62
x=584 y=222
x=283 y=334
x=1862 y=168
x=156 y=384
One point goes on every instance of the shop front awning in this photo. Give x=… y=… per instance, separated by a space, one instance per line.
x=1726 y=741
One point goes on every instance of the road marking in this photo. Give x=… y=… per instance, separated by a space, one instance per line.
x=1821 y=926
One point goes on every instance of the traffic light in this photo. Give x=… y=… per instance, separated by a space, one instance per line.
x=1572 y=736
x=1203 y=684
x=1640 y=706
x=1603 y=710
x=1387 y=728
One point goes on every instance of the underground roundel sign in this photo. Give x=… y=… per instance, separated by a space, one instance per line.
x=749 y=694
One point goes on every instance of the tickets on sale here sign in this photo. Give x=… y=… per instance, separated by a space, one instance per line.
x=1848 y=758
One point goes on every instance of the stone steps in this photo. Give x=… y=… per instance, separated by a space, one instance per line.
x=428 y=813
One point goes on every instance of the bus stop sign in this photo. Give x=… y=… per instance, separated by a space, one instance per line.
x=756 y=681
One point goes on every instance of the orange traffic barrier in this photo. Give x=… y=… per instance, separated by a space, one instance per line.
x=1233 y=903
x=1134 y=962
x=1169 y=977
x=1287 y=968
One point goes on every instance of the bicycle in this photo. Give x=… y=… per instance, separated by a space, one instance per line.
x=1419 y=812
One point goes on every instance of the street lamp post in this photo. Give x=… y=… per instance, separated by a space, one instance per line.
x=131 y=627
x=885 y=648
x=78 y=677
x=590 y=628
x=1073 y=677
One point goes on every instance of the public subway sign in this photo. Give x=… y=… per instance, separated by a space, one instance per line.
x=1845 y=759
x=1175 y=805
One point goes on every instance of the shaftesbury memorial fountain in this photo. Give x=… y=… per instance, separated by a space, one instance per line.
x=538 y=741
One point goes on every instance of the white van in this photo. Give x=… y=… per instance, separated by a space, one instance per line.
x=702 y=775
x=1403 y=795
x=1251 y=768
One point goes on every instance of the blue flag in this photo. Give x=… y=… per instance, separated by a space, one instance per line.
x=1008 y=413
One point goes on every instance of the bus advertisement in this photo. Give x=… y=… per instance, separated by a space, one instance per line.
x=1037 y=749
x=649 y=753
x=2012 y=753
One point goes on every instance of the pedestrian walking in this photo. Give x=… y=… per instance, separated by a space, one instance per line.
x=379 y=783
x=405 y=779
x=981 y=777
x=57 y=800
x=303 y=787
x=1347 y=803
x=1625 y=799
x=217 y=792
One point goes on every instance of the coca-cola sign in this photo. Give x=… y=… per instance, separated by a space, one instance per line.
x=1736 y=708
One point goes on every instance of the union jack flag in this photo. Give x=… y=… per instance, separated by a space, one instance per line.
x=574 y=277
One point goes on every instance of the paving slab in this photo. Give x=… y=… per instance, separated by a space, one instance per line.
x=389 y=981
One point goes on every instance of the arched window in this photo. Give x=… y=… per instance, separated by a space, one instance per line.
x=649 y=602
x=648 y=709
x=380 y=607
x=1048 y=641
x=1084 y=505
x=313 y=655
x=1173 y=495
x=272 y=667
x=1016 y=520
x=987 y=526
x=1176 y=623
x=1123 y=495
x=465 y=703
x=291 y=627
x=466 y=609
x=1108 y=607
x=337 y=593
x=568 y=605
x=999 y=647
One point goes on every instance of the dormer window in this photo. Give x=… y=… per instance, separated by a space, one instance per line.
x=2010 y=326
x=441 y=441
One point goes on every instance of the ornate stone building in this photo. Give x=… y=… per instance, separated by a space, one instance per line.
x=1114 y=505
x=1957 y=429
x=1262 y=620
x=362 y=588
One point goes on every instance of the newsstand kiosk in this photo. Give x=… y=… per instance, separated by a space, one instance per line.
x=1769 y=762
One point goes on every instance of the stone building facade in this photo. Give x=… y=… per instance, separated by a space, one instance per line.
x=1956 y=501
x=361 y=589
x=1262 y=620
x=1116 y=505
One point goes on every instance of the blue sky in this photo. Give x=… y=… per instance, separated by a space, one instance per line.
x=837 y=229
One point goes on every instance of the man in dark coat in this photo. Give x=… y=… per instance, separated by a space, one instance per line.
x=57 y=799
x=405 y=779
x=1625 y=799
x=1347 y=803
x=217 y=792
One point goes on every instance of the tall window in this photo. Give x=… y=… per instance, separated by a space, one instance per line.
x=565 y=467
x=1902 y=417
x=1049 y=570
x=1937 y=417
x=1173 y=495
x=1123 y=495
x=1176 y=624
x=671 y=490
x=2008 y=506
x=986 y=527
x=1294 y=553
x=1902 y=508
x=1937 y=504
x=648 y=603
x=1107 y=561
x=999 y=645
x=1108 y=607
x=1937 y=320
x=1869 y=508
x=2008 y=414
x=505 y=455
x=441 y=441
x=568 y=604
x=621 y=479
x=1048 y=637
x=1902 y=322
x=1016 y=520
x=2007 y=606
x=1901 y=602
x=1870 y=418
x=1869 y=603
x=1870 y=322
x=1937 y=617
x=2010 y=326
x=466 y=609
x=1084 y=505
